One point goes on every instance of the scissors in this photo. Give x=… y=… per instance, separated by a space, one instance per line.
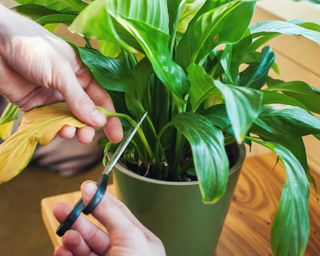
x=102 y=185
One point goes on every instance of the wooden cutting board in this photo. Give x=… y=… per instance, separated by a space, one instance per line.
x=247 y=229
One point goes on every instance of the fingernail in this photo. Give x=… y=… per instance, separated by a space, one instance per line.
x=89 y=189
x=118 y=133
x=98 y=118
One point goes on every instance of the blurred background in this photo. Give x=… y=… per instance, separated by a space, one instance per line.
x=22 y=230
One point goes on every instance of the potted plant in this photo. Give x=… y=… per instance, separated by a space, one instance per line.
x=203 y=75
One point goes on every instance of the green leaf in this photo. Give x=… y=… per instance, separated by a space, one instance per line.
x=70 y=6
x=232 y=56
x=207 y=5
x=310 y=25
x=210 y=159
x=317 y=136
x=217 y=114
x=51 y=27
x=290 y=228
x=252 y=57
x=10 y=113
x=139 y=19
x=190 y=10
x=109 y=49
x=134 y=105
x=243 y=107
x=214 y=27
x=56 y=18
x=175 y=9
x=157 y=51
x=283 y=120
x=277 y=27
x=272 y=97
x=294 y=144
x=301 y=91
x=45 y=16
x=201 y=85
x=142 y=73
x=152 y=13
x=255 y=76
x=265 y=38
x=242 y=104
x=34 y=11
x=290 y=141
x=111 y=74
x=88 y=23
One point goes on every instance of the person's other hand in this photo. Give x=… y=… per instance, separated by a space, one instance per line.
x=38 y=68
x=126 y=235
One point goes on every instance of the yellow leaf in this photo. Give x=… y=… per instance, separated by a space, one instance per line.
x=6 y=129
x=38 y=125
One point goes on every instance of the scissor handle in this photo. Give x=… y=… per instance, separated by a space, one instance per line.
x=79 y=207
x=71 y=218
x=102 y=186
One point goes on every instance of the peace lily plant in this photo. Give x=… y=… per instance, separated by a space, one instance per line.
x=203 y=75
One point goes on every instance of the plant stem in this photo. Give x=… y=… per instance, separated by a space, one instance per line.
x=187 y=166
x=213 y=70
x=178 y=153
x=158 y=147
x=164 y=110
x=88 y=42
x=179 y=146
x=157 y=102
x=133 y=123
x=130 y=59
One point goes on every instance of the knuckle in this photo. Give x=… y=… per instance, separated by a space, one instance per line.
x=84 y=101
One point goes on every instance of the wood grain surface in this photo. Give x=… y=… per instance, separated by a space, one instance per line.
x=247 y=229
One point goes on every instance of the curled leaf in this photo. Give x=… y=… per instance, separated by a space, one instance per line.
x=38 y=125
x=6 y=129
x=9 y=115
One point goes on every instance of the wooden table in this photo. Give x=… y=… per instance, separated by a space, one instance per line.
x=248 y=225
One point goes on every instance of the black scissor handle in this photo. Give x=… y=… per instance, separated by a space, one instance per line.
x=71 y=218
x=79 y=207
x=102 y=186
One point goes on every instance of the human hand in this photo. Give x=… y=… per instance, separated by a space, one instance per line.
x=126 y=235
x=38 y=68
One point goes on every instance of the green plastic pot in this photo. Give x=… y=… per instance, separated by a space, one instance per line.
x=174 y=211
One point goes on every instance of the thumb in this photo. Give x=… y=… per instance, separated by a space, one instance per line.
x=108 y=211
x=78 y=101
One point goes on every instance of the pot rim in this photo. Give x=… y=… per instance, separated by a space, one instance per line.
x=236 y=167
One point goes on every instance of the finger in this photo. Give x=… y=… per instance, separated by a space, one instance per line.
x=67 y=132
x=79 y=102
x=23 y=93
x=85 y=134
x=113 y=127
x=74 y=242
x=62 y=251
x=97 y=240
x=106 y=212
x=88 y=188
x=112 y=213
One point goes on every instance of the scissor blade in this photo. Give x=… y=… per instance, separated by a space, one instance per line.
x=121 y=148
